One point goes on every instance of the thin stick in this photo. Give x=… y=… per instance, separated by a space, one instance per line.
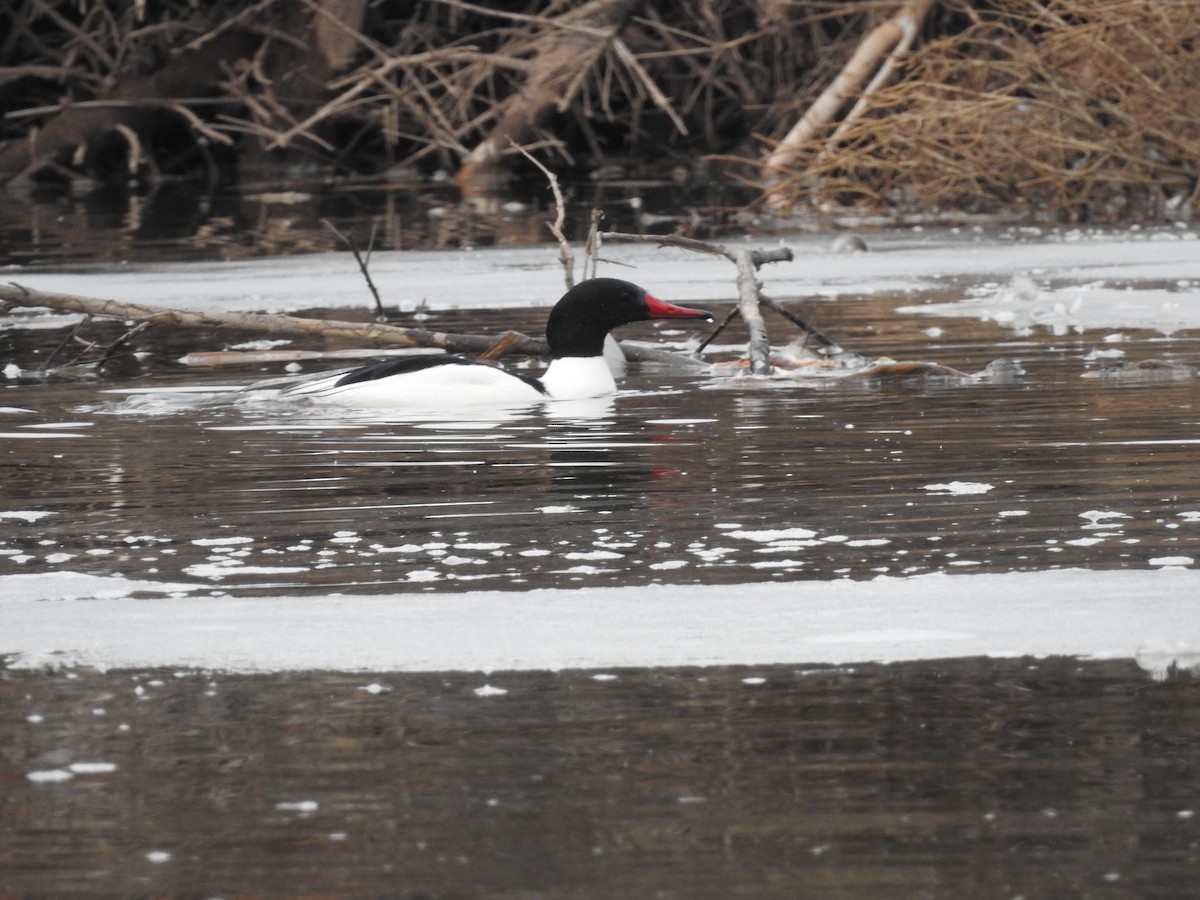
x=556 y=227
x=362 y=265
x=593 y=245
x=729 y=317
x=121 y=342
x=67 y=338
x=800 y=323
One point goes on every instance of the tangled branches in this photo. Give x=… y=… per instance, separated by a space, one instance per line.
x=1080 y=109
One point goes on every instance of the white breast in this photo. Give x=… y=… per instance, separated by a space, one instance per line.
x=578 y=377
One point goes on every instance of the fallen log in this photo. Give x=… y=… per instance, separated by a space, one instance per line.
x=366 y=332
x=363 y=332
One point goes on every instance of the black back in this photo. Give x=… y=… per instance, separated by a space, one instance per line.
x=408 y=364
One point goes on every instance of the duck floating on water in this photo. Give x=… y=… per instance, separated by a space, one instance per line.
x=575 y=332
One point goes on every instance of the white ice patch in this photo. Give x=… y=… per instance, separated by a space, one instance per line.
x=49 y=776
x=25 y=515
x=959 y=487
x=1097 y=518
x=772 y=535
x=302 y=806
x=92 y=768
x=1102 y=615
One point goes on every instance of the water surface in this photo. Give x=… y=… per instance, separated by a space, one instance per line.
x=978 y=777
x=679 y=479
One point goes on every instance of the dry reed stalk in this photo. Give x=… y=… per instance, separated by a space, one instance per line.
x=1086 y=111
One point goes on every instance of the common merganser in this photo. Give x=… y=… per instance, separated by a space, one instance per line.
x=575 y=332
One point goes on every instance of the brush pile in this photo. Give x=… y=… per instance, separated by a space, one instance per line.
x=1077 y=109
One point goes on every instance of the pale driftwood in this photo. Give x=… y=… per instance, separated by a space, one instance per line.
x=747 y=284
x=877 y=53
x=381 y=335
x=747 y=262
x=565 y=256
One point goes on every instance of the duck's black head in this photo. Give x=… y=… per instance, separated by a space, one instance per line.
x=587 y=312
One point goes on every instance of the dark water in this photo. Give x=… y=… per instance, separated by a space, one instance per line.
x=50 y=227
x=681 y=479
x=970 y=778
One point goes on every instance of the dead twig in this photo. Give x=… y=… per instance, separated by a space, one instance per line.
x=556 y=227
x=380 y=315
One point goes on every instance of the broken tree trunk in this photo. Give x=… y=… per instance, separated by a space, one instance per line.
x=877 y=54
x=566 y=50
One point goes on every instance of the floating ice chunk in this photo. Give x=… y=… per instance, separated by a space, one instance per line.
x=462 y=561
x=773 y=534
x=26 y=515
x=593 y=555
x=488 y=690
x=49 y=776
x=1171 y=561
x=1020 y=289
x=92 y=768
x=374 y=688
x=1159 y=658
x=960 y=487
x=158 y=856
x=1114 y=353
x=1095 y=515
x=304 y=806
x=1007 y=513
x=222 y=541
x=1085 y=542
